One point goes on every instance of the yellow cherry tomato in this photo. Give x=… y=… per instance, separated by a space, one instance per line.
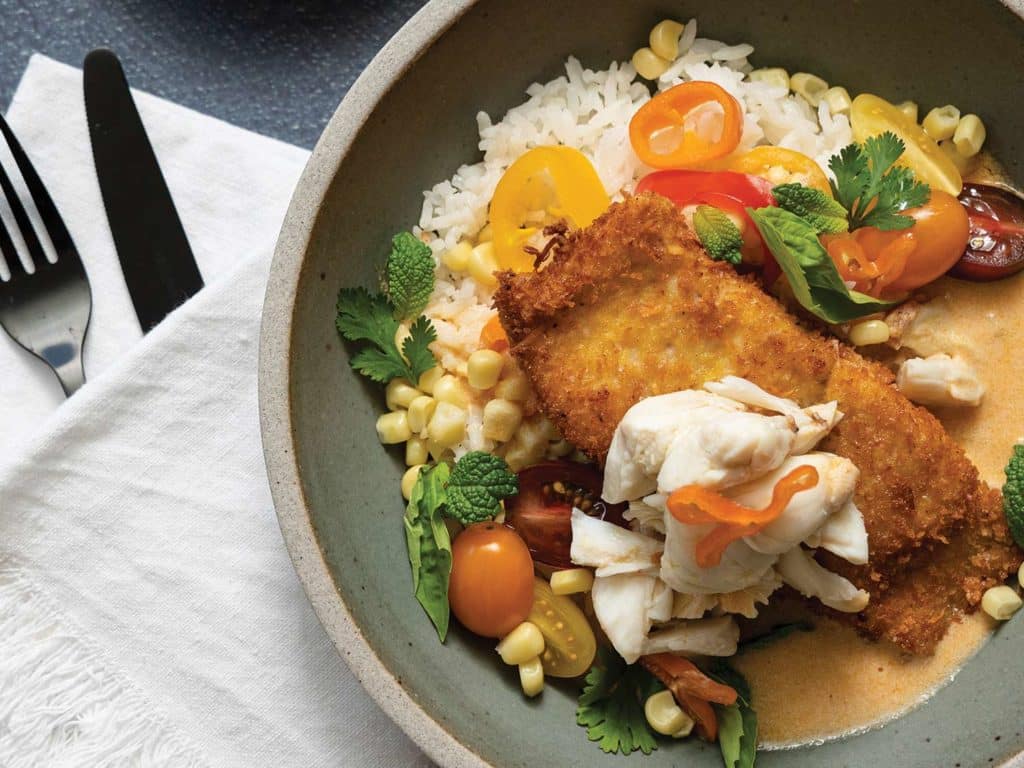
x=782 y=166
x=569 y=642
x=871 y=115
x=542 y=186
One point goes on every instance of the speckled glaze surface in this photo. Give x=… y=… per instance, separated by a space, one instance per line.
x=407 y=122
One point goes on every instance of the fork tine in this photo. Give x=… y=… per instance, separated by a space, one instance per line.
x=59 y=235
x=28 y=232
x=9 y=252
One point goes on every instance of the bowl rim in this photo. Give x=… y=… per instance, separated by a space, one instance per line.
x=383 y=72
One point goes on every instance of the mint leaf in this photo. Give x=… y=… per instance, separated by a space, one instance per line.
x=410 y=275
x=719 y=236
x=611 y=706
x=822 y=212
x=809 y=269
x=478 y=483
x=1013 y=495
x=429 y=545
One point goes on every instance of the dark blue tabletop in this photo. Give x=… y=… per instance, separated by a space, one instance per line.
x=278 y=67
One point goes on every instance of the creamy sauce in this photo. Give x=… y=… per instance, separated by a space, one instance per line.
x=815 y=686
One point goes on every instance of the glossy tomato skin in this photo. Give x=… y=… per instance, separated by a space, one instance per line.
x=686 y=187
x=543 y=519
x=995 y=248
x=940 y=235
x=491 y=585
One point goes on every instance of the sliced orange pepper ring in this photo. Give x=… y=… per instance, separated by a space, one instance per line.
x=695 y=505
x=669 y=130
x=493 y=335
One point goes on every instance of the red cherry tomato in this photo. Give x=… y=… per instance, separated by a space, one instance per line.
x=541 y=512
x=995 y=246
x=491 y=586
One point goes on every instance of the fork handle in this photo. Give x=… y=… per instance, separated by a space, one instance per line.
x=71 y=375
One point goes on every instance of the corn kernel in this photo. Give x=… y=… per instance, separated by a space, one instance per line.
x=838 y=100
x=664 y=39
x=531 y=677
x=572 y=581
x=869 y=332
x=429 y=379
x=409 y=480
x=969 y=135
x=527 y=447
x=399 y=393
x=776 y=76
x=908 y=108
x=664 y=715
x=393 y=428
x=811 y=87
x=484 y=368
x=648 y=64
x=449 y=389
x=416 y=452
x=550 y=431
x=401 y=335
x=437 y=451
x=501 y=419
x=420 y=411
x=483 y=264
x=963 y=164
x=560 y=448
x=1020 y=574
x=448 y=425
x=457 y=258
x=1001 y=602
x=514 y=387
x=522 y=644
x=485 y=235
x=941 y=122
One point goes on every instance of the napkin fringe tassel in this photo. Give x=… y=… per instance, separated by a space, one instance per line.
x=63 y=704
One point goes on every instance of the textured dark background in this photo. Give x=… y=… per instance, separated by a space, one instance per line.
x=279 y=67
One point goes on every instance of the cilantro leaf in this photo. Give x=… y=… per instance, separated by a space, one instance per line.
x=719 y=236
x=822 y=212
x=363 y=316
x=809 y=269
x=871 y=188
x=611 y=706
x=429 y=545
x=478 y=483
x=737 y=723
x=410 y=275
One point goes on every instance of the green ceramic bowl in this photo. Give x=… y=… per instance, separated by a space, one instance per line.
x=408 y=122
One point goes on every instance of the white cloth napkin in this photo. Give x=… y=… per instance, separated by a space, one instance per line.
x=149 y=615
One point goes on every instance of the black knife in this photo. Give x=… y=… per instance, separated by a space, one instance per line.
x=155 y=256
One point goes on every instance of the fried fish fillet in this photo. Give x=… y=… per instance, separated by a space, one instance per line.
x=632 y=307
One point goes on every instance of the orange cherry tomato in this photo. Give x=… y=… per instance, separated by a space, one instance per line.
x=676 y=128
x=782 y=166
x=493 y=336
x=491 y=586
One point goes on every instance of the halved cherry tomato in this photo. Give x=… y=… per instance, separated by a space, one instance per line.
x=889 y=264
x=569 y=642
x=871 y=116
x=687 y=125
x=493 y=336
x=782 y=166
x=541 y=512
x=995 y=246
x=542 y=186
x=491 y=586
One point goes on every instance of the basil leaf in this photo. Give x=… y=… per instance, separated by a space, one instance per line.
x=430 y=548
x=737 y=723
x=809 y=269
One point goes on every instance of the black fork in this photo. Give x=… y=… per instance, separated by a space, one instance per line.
x=46 y=310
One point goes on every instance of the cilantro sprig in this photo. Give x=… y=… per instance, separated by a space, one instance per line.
x=737 y=723
x=375 y=318
x=871 y=188
x=611 y=706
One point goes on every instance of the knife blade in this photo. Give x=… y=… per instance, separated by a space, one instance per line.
x=154 y=252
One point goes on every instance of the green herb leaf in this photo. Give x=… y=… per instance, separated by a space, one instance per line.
x=822 y=212
x=430 y=549
x=871 y=189
x=809 y=269
x=363 y=316
x=410 y=275
x=737 y=723
x=719 y=236
x=773 y=635
x=1013 y=495
x=478 y=483
x=611 y=706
